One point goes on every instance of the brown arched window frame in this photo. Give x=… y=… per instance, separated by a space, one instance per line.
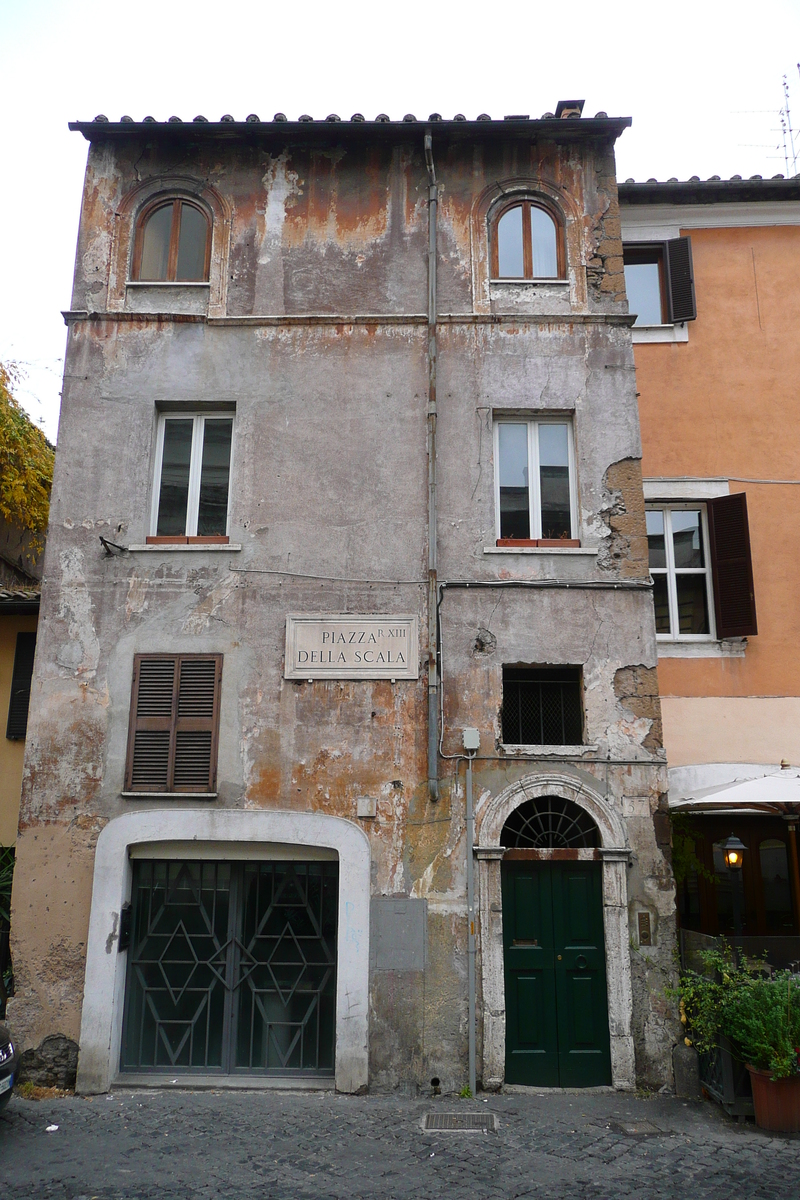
x=526 y=205
x=177 y=204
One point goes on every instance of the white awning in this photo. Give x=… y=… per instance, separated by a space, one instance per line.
x=776 y=793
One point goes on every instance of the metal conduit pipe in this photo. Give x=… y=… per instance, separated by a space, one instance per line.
x=433 y=589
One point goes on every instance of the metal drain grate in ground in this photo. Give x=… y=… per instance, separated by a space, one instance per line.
x=460 y=1122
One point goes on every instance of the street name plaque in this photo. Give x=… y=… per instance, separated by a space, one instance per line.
x=332 y=646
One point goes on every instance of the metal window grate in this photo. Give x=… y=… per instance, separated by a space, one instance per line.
x=460 y=1122
x=542 y=707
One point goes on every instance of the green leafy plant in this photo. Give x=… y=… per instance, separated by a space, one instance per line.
x=684 y=850
x=466 y=1092
x=759 y=1014
x=6 y=877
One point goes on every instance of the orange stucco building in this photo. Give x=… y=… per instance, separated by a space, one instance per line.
x=718 y=398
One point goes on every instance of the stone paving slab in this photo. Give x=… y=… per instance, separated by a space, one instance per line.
x=168 y=1145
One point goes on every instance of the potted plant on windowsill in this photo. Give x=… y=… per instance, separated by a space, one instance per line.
x=760 y=1016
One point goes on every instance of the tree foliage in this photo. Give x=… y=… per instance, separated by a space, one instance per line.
x=26 y=462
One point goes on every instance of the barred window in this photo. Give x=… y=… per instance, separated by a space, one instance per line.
x=542 y=706
x=174 y=723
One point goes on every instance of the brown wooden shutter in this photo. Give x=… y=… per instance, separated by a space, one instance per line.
x=732 y=567
x=21 y=677
x=172 y=742
x=680 y=280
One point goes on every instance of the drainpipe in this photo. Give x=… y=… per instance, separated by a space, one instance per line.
x=433 y=677
x=473 y=1087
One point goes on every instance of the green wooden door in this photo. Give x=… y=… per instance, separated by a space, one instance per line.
x=556 y=1008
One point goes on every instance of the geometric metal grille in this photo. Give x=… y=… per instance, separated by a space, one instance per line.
x=231 y=967
x=549 y=823
x=542 y=707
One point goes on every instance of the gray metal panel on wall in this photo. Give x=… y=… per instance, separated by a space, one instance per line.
x=399 y=929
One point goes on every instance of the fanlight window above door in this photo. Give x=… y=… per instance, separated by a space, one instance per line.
x=549 y=823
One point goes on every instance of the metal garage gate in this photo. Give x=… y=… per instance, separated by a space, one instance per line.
x=231 y=967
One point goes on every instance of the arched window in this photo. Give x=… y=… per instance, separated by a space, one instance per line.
x=549 y=823
x=173 y=244
x=526 y=243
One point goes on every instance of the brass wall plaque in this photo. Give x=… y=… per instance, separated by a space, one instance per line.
x=333 y=646
x=644 y=929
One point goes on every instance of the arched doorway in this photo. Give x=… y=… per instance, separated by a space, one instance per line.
x=554 y=947
x=595 y=834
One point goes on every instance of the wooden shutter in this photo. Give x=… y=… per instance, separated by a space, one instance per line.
x=732 y=567
x=174 y=723
x=680 y=280
x=21 y=676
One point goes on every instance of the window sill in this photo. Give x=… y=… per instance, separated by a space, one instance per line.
x=548 y=751
x=169 y=795
x=215 y=539
x=547 y=281
x=167 y=283
x=192 y=547
x=679 y=332
x=538 y=543
x=587 y=551
x=679 y=648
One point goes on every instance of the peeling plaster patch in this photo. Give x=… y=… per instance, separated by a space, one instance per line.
x=625 y=545
x=637 y=689
x=281 y=187
x=82 y=653
x=201 y=616
x=136 y=600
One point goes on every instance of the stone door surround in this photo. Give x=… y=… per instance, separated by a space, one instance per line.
x=492 y=812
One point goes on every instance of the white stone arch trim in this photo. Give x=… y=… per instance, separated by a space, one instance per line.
x=104 y=986
x=492 y=812
x=173 y=185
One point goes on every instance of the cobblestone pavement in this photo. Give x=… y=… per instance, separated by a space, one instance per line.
x=143 y=1145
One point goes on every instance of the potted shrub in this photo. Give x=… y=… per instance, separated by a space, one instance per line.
x=760 y=1016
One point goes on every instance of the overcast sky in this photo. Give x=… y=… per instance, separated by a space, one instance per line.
x=703 y=83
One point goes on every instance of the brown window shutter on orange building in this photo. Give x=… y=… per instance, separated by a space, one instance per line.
x=174 y=725
x=732 y=567
x=680 y=280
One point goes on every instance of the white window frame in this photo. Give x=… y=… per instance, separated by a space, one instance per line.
x=670 y=571
x=195 y=465
x=534 y=480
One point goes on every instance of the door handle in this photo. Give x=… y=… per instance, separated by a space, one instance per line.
x=559 y=958
x=581 y=963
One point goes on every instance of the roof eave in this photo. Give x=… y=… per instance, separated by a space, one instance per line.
x=709 y=191
x=563 y=129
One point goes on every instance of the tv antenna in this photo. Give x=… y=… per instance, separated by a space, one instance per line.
x=787 y=132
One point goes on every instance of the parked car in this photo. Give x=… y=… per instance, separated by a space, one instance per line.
x=8 y=1066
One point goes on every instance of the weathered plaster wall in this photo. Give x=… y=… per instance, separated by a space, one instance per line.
x=329 y=505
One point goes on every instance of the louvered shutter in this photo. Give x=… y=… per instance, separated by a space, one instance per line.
x=680 y=280
x=732 y=567
x=172 y=744
x=21 y=676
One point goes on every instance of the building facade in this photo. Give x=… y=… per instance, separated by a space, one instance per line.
x=348 y=534
x=718 y=407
